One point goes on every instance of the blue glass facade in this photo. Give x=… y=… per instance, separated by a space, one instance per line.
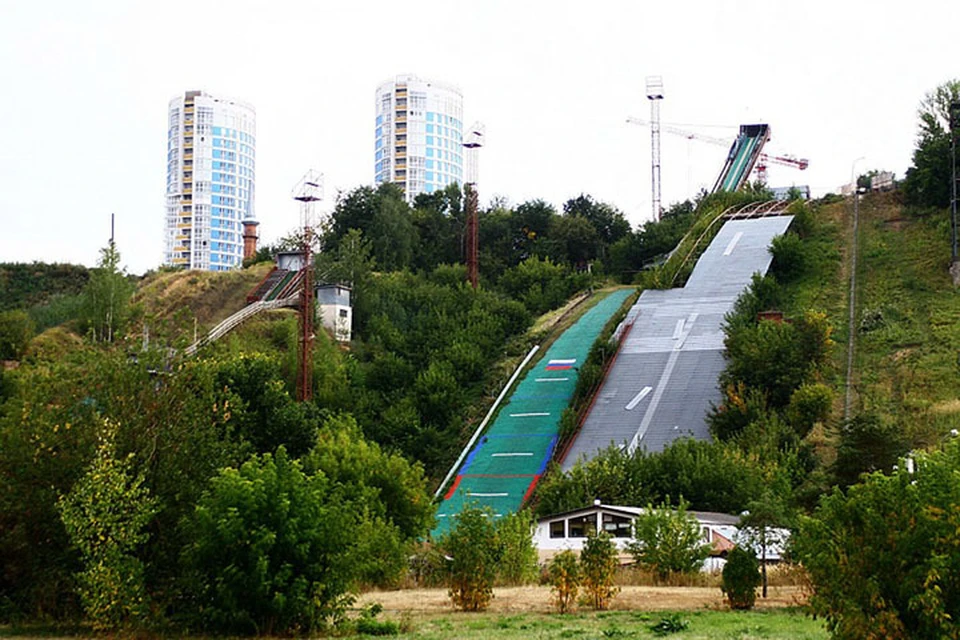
x=418 y=135
x=210 y=181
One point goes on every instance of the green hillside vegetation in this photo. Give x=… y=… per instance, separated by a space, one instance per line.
x=200 y=455
x=145 y=491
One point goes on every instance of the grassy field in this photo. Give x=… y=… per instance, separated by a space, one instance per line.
x=526 y=612
x=619 y=624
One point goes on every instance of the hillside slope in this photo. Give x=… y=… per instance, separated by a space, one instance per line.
x=907 y=319
x=210 y=296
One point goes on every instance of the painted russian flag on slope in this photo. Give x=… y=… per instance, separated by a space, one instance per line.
x=560 y=365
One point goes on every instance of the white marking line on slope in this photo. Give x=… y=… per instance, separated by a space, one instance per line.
x=678 y=330
x=510 y=455
x=637 y=398
x=552 y=379
x=488 y=495
x=733 y=243
x=528 y=415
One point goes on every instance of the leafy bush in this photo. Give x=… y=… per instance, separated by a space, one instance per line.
x=564 y=575
x=598 y=566
x=883 y=557
x=867 y=443
x=517 y=556
x=672 y=623
x=105 y=515
x=741 y=577
x=809 y=404
x=668 y=541
x=472 y=546
x=789 y=257
x=367 y=623
x=16 y=329
x=270 y=551
x=713 y=476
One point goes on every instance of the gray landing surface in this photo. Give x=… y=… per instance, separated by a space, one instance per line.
x=664 y=379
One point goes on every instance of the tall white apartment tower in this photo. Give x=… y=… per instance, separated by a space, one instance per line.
x=419 y=135
x=211 y=173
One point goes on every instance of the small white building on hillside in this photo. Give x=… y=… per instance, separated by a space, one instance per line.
x=569 y=530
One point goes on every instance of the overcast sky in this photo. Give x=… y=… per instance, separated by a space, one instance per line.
x=85 y=87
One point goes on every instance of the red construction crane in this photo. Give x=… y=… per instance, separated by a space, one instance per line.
x=765 y=159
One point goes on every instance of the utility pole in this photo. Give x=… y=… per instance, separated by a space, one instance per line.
x=655 y=95
x=307 y=192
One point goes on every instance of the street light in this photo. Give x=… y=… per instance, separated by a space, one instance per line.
x=954 y=125
x=853 y=286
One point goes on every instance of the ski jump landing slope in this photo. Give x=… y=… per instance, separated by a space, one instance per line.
x=665 y=375
x=503 y=468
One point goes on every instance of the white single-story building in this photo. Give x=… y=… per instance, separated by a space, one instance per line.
x=569 y=530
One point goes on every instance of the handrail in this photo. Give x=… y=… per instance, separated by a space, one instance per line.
x=233 y=321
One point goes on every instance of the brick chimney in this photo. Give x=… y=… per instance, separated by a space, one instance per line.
x=250 y=236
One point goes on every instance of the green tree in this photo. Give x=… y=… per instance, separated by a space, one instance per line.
x=472 y=547
x=105 y=516
x=16 y=329
x=762 y=525
x=927 y=182
x=867 y=443
x=741 y=577
x=106 y=297
x=884 y=557
x=389 y=486
x=271 y=550
x=608 y=222
x=564 y=575
x=517 y=556
x=668 y=541
x=269 y=416
x=598 y=568
x=574 y=240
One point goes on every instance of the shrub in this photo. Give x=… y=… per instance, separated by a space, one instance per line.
x=789 y=257
x=741 y=577
x=16 y=329
x=883 y=557
x=672 y=623
x=367 y=623
x=516 y=553
x=598 y=565
x=809 y=404
x=270 y=551
x=105 y=515
x=668 y=541
x=564 y=574
x=472 y=546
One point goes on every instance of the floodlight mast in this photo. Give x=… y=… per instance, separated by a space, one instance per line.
x=472 y=144
x=307 y=192
x=655 y=95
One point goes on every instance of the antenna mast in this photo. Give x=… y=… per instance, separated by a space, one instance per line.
x=655 y=95
x=307 y=192
x=472 y=143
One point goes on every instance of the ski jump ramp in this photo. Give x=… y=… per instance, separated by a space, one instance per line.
x=665 y=375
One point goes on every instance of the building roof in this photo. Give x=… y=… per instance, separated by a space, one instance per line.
x=704 y=517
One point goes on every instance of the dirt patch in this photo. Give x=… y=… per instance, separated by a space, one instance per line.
x=902 y=354
x=537 y=599
x=946 y=408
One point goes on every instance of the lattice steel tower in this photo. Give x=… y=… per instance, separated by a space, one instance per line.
x=655 y=95
x=307 y=192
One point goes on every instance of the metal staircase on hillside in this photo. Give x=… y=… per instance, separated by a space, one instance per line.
x=239 y=317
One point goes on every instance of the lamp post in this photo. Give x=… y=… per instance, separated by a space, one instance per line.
x=954 y=125
x=853 y=287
